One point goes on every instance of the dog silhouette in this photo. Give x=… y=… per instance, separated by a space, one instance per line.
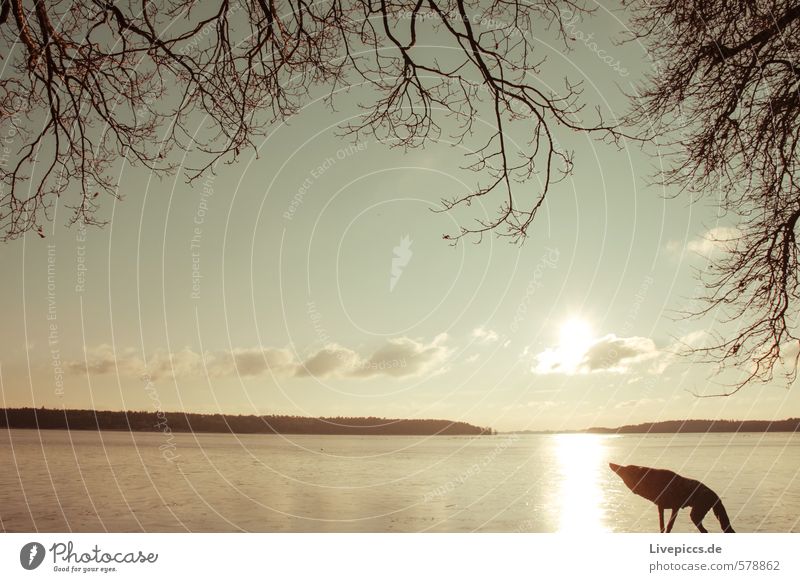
x=669 y=490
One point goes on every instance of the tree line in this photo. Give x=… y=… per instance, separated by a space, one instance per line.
x=678 y=426
x=143 y=421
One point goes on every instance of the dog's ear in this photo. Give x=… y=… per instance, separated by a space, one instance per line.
x=614 y=467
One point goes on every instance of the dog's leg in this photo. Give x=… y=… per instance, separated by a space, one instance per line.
x=672 y=520
x=660 y=519
x=697 y=516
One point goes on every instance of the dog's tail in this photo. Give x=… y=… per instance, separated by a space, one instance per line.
x=722 y=516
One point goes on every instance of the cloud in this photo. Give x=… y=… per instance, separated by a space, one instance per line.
x=103 y=360
x=682 y=346
x=397 y=358
x=250 y=362
x=405 y=357
x=614 y=353
x=329 y=361
x=717 y=240
x=484 y=336
x=605 y=354
x=639 y=402
x=694 y=339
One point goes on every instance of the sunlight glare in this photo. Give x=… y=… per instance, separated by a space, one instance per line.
x=580 y=459
x=575 y=331
x=575 y=339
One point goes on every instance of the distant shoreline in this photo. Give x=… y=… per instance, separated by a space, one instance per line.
x=180 y=422
x=191 y=422
x=687 y=427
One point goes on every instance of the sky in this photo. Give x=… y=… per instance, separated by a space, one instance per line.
x=312 y=279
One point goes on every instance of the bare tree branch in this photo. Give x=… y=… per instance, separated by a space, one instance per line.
x=87 y=83
x=723 y=101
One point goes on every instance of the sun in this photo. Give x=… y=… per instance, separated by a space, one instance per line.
x=575 y=339
x=575 y=332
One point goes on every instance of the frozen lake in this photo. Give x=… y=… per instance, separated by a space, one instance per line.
x=115 y=481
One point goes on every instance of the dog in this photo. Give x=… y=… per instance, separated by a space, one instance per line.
x=669 y=490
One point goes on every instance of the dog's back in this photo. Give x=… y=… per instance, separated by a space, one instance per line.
x=665 y=488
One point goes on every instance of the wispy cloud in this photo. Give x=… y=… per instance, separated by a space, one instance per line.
x=484 y=336
x=609 y=353
x=248 y=362
x=715 y=241
x=397 y=358
x=612 y=353
x=417 y=358
x=683 y=345
x=103 y=359
x=639 y=402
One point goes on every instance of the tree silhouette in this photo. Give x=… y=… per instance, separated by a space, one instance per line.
x=89 y=82
x=160 y=421
x=723 y=102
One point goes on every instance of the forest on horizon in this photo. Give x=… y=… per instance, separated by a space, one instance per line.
x=159 y=421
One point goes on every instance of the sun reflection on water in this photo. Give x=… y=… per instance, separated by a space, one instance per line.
x=579 y=496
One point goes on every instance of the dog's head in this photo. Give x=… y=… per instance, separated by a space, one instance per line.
x=631 y=475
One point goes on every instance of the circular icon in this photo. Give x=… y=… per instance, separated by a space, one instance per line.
x=31 y=555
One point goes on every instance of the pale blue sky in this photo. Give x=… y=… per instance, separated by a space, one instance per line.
x=288 y=279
